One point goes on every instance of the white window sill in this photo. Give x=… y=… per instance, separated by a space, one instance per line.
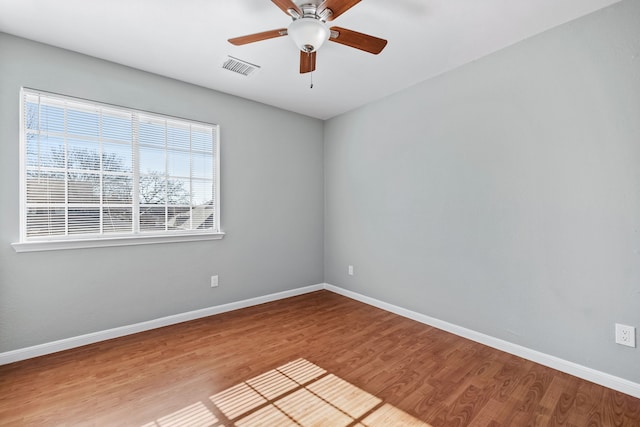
x=48 y=245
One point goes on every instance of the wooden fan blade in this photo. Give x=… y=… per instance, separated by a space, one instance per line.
x=357 y=40
x=238 y=41
x=338 y=7
x=307 y=62
x=285 y=5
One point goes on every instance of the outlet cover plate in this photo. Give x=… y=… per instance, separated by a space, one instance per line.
x=625 y=335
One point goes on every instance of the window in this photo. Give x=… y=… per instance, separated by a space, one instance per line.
x=99 y=175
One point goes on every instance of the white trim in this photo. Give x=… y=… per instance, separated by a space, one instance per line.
x=607 y=380
x=22 y=168
x=91 y=338
x=55 y=245
x=217 y=197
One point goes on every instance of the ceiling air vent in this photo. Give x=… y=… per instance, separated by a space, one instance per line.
x=239 y=66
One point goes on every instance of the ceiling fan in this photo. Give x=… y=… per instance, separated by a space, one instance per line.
x=309 y=30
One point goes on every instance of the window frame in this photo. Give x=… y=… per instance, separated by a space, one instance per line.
x=134 y=237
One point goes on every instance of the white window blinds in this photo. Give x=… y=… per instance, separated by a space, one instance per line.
x=92 y=170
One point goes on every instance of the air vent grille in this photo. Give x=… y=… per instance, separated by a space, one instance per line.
x=240 y=67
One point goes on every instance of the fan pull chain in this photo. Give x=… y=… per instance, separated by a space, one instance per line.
x=311 y=86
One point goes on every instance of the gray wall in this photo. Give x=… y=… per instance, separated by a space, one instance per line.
x=503 y=196
x=272 y=200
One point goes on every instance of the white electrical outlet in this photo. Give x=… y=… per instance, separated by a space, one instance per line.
x=350 y=270
x=625 y=335
x=214 y=281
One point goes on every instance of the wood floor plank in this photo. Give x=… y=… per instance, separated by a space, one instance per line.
x=413 y=372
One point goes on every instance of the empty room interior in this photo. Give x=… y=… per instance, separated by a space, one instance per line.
x=426 y=213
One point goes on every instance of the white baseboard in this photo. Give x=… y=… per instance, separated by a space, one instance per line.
x=607 y=380
x=68 y=343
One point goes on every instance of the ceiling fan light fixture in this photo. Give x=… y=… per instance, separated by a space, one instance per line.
x=309 y=34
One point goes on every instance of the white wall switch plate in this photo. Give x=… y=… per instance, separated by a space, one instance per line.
x=350 y=270
x=214 y=281
x=625 y=335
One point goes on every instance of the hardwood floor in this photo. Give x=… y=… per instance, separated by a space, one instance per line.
x=316 y=359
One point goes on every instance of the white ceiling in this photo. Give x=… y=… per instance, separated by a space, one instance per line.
x=187 y=40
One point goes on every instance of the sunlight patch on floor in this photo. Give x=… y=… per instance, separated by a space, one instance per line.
x=298 y=393
x=196 y=415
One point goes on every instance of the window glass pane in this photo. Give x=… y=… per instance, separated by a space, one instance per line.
x=117 y=157
x=178 y=191
x=153 y=189
x=33 y=149
x=202 y=192
x=84 y=220
x=179 y=218
x=152 y=218
x=178 y=136
x=117 y=189
x=151 y=131
x=45 y=222
x=117 y=126
x=202 y=217
x=202 y=139
x=32 y=114
x=83 y=122
x=84 y=188
x=45 y=187
x=202 y=165
x=178 y=163
x=52 y=118
x=82 y=154
x=117 y=220
x=152 y=160
x=50 y=151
